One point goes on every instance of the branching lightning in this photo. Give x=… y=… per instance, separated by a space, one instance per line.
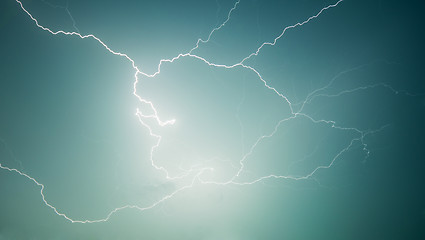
x=195 y=172
x=66 y=9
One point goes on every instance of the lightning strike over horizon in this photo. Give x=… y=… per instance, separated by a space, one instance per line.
x=196 y=173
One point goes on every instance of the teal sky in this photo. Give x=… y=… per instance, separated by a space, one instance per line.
x=320 y=136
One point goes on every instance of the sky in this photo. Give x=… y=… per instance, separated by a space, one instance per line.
x=250 y=119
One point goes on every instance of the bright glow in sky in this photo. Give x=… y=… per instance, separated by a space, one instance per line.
x=203 y=118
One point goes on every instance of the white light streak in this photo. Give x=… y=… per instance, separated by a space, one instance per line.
x=196 y=172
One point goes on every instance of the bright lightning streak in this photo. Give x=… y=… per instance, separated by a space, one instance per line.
x=196 y=173
x=289 y=27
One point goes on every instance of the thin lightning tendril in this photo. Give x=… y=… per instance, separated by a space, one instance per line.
x=74 y=24
x=215 y=29
x=195 y=172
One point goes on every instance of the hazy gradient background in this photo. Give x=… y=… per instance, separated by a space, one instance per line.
x=67 y=119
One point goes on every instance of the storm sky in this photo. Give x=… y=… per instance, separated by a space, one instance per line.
x=286 y=120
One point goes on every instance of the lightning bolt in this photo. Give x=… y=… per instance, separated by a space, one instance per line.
x=196 y=172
